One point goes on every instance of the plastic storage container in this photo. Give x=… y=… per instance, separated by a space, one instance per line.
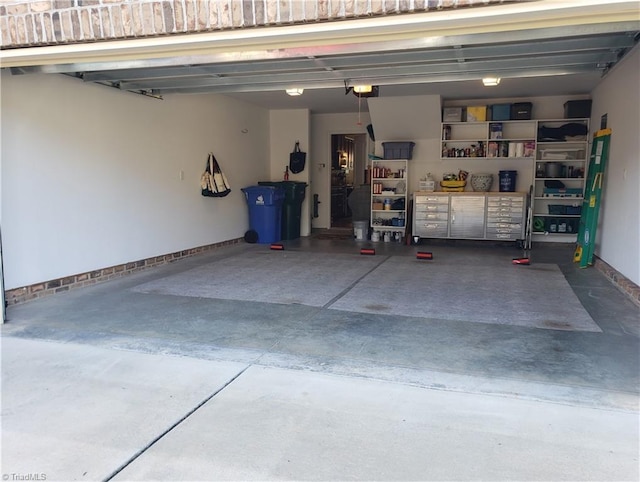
x=427 y=186
x=521 y=111
x=577 y=109
x=508 y=181
x=562 y=192
x=500 y=112
x=398 y=150
x=361 y=230
x=265 y=211
x=294 y=193
x=557 y=209
x=452 y=114
x=574 y=210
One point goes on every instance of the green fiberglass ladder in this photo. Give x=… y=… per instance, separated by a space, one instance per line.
x=592 y=195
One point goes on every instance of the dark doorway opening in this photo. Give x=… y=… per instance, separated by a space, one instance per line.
x=348 y=164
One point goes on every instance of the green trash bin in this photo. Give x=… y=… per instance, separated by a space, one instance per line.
x=294 y=192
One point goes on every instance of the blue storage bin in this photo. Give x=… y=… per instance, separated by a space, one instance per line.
x=501 y=112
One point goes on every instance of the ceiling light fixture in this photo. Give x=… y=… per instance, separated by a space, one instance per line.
x=362 y=89
x=491 y=81
x=294 y=91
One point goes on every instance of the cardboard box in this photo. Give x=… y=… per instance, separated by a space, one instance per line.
x=376 y=206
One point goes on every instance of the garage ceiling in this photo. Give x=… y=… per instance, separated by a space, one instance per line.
x=561 y=60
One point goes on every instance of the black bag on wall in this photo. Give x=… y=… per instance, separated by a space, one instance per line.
x=297 y=159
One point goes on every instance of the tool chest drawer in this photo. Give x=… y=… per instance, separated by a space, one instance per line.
x=432 y=207
x=504 y=236
x=505 y=218
x=432 y=216
x=502 y=210
x=431 y=229
x=432 y=198
x=505 y=201
x=504 y=230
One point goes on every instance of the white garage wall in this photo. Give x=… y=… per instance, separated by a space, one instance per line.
x=91 y=177
x=288 y=126
x=618 y=235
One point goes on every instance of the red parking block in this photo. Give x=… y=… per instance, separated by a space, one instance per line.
x=277 y=247
x=368 y=251
x=424 y=255
x=523 y=261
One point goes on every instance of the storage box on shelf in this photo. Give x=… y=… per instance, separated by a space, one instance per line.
x=427 y=186
x=521 y=111
x=579 y=109
x=476 y=113
x=559 y=175
x=398 y=150
x=501 y=112
x=452 y=114
x=389 y=181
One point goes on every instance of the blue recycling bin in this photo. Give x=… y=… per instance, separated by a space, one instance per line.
x=265 y=211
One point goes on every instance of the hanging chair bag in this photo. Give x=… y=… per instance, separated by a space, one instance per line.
x=213 y=182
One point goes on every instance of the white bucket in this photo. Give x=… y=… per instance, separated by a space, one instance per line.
x=361 y=230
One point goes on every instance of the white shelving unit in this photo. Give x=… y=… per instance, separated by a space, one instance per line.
x=544 y=161
x=389 y=189
x=489 y=140
x=558 y=213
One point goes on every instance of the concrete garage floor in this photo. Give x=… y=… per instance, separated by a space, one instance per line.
x=171 y=374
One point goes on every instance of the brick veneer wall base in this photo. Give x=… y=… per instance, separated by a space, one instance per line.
x=47 y=288
x=623 y=283
x=25 y=23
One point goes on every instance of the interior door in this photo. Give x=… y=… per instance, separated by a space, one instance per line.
x=348 y=160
